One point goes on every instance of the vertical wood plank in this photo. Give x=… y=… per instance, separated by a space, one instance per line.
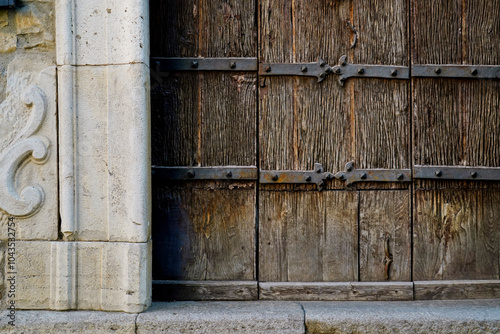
x=308 y=236
x=456 y=234
x=383 y=212
x=197 y=238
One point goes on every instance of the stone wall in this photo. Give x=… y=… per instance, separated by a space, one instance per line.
x=28 y=133
x=74 y=153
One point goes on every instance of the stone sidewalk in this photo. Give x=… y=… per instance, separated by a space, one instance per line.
x=466 y=316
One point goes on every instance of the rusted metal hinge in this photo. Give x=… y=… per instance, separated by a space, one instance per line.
x=456 y=71
x=319 y=69
x=457 y=173
x=205 y=173
x=352 y=175
x=317 y=176
x=347 y=70
x=205 y=64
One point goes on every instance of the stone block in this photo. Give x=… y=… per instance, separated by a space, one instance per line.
x=110 y=152
x=4 y=18
x=27 y=22
x=50 y=322
x=440 y=317
x=28 y=149
x=118 y=29
x=83 y=275
x=222 y=317
x=8 y=42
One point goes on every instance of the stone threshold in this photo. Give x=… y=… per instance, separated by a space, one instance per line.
x=450 y=316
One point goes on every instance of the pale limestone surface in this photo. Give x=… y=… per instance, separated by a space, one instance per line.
x=83 y=236
x=84 y=275
x=418 y=317
x=72 y=322
x=252 y=317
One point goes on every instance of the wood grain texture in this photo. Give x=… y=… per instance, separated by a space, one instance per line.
x=174 y=121
x=327 y=291
x=382 y=30
x=204 y=231
x=382 y=212
x=204 y=291
x=191 y=28
x=457 y=289
x=308 y=236
x=436 y=28
x=456 y=234
x=482 y=32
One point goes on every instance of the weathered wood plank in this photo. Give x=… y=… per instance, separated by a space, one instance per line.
x=456 y=234
x=308 y=236
x=482 y=32
x=174 y=27
x=206 y=290
x=174 y=121
x=436 y=32
x=382 y=213
x=204 y=231
x=471 y=289
x=228 y=119
x=328 y=291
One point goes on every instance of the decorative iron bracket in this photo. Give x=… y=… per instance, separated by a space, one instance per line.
x=347 y=70
x=206 y=173
x=456 y=71
x=317 y=176
x=319 y=69
x=205 y=64
x=352 y=175
x=457 y=173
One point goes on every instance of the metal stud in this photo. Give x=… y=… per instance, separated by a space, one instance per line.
x=473 y=174
x=303 y=69
x=363 y=176
x=322 y=75
x=308 y=178
x=322 y=63
x=361 y=70
x=337 y=70
x=233 y=64
x=437 y=70
x=275 y=177
x=438 y=173
x=229 y=174
x=394 y=73
x=194 y=64
x=473 y=72
x=400 y=176
x=268 y=69
x=190 y=173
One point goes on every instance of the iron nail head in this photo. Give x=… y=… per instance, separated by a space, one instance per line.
x=400 y=176
x=361 y=70
x=363 y=176
x=303 y=69
x=275 y=177
x=473 y=72
x=437 y=70
x=190 y=173
x=308 y=178
x=194 y=64
x=394 y=73
x=233 y=64
x=438 y=173
x=229 y=174
x=473 y=174
x=268 y=69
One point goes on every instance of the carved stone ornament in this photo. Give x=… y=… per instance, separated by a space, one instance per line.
x=25 y=146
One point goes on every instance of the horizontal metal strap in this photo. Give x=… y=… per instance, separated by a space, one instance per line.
x=205 y=64
x=352 y=175
x=456 y=71
x=457 y=173
x=319 y=69
x=316 y=176
x=347 y=70
x=206 y=173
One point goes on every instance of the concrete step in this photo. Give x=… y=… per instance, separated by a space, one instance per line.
x=451 y=316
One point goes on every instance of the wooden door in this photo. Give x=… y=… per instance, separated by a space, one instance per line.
x=236 y=239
